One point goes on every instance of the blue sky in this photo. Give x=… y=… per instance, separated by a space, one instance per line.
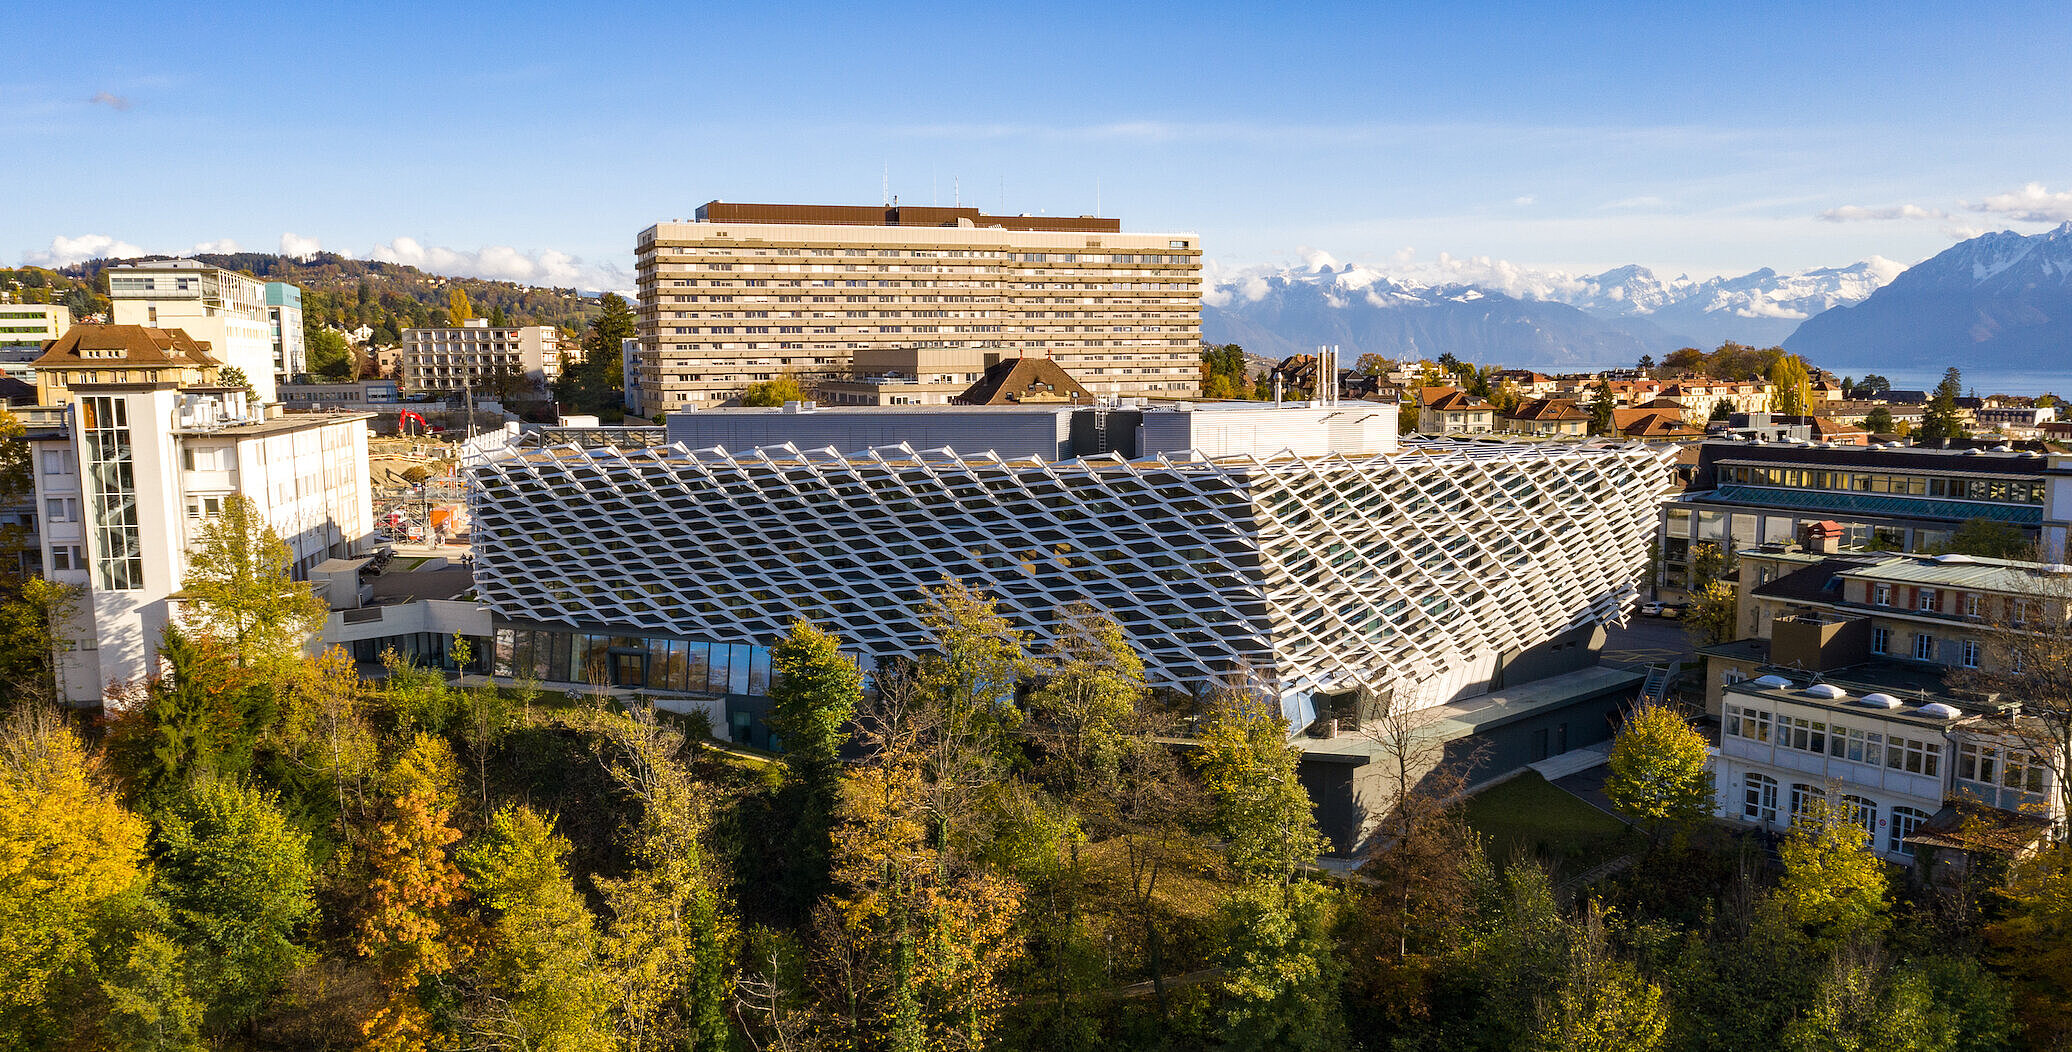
x=536 y=141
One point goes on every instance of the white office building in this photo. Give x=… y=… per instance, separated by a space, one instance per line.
x=24 y=329
x=222 y=309
x=1301 y=549
x=146 y=448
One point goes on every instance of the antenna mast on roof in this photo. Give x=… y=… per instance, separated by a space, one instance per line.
x=885 y=194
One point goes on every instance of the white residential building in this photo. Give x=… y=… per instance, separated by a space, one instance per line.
x=1889 y=745
x=146 y=446
x=510 y=361
x=284 y=317
x=222 y=309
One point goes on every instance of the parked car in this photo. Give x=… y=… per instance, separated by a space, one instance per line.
x=1653 y=609
x=1672 y=610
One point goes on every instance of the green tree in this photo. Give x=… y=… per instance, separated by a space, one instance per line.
x=1709 y=563
x=203 y=719
x=36 y=621
x=232 y=376
x=1090 y=683
x=1878 y=421
x=1280 y=977
x=1260 y=809
x=1601 y=406
x=1223 y=371
x=1722 y=410
x=237 y=883
x=328 y=355
x=971 y=675
x=1940 y=421
x=596 y=383
x=1871 y=386
x=2032 y=942
x=1659 y=776
x=540 y=962
x=773 y=392
x=1834 y=885
x=811 y=703
x=71 y=861
x=670 y=939
x=1602 y=1004
x=1792 y=386
x=497 y=318
x=1713 y=615
x=1992 y=540
x=239 y=590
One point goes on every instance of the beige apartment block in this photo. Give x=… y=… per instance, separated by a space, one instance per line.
x=510 y=361
x=751 y=292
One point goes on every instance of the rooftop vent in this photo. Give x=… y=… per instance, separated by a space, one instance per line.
x=1826 y=690
x=1936 y=710
x=1955 y=557
x=1772 y=681
x=1880 y=700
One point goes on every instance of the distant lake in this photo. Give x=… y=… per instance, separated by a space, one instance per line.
x=1983 y=381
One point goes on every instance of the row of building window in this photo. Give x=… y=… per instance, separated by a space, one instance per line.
x=2016 y=491
x=1912 y=755
x=1759 y=802
x=1966 y=652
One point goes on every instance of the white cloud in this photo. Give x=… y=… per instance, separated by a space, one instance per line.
x=65 y=251
x=1959 y=232
x=504 y=263
x=110 y=100
x=299 y=247
x=1645 y=202
x=1317 y=259
x=1524 y=200
x=220 y=245
x=2033 y=203
x=1859 y=213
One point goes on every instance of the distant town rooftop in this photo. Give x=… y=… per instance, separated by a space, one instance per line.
x=895 y=215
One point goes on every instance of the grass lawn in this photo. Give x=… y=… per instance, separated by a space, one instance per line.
x=1532 y=816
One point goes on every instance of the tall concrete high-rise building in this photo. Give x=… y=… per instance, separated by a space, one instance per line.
x=750 y=292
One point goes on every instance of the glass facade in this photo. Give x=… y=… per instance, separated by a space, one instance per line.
x=1997 y=490
x=647 y=663
x=111 y=479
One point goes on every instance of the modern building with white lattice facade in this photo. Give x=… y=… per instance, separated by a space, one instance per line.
x=749 y=292
x=1301 y=549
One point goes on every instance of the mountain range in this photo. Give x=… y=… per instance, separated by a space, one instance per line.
x=1522 y=318
x=1999 y=303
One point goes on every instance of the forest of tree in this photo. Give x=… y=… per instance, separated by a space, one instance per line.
x=345 y=293
x=995 y=845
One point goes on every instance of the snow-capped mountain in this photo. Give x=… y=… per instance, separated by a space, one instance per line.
x=1998 y=301
x=1759 y=308
x=1364 y=311
x=1484 y=310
